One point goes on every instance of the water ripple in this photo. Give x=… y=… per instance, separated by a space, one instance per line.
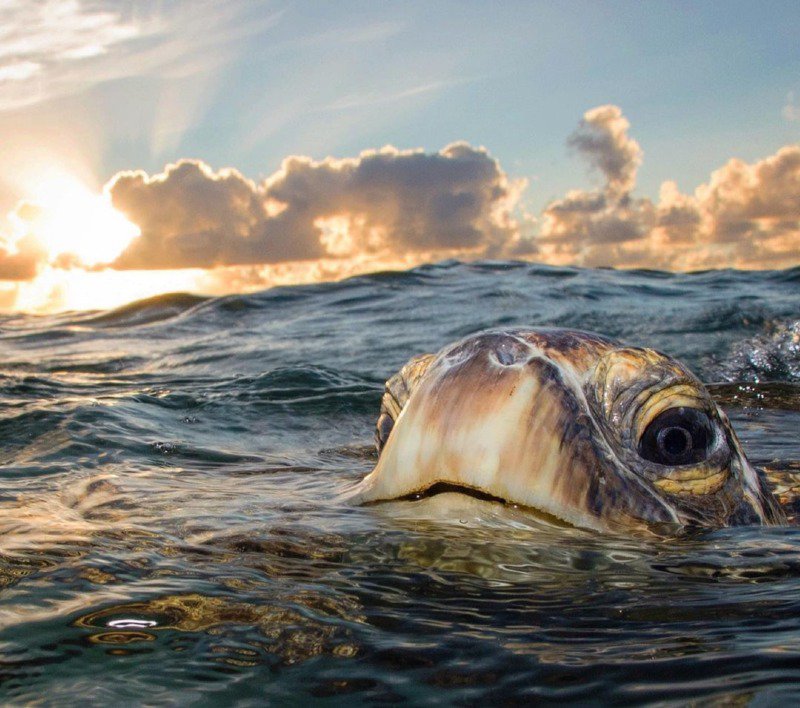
x=172 y=523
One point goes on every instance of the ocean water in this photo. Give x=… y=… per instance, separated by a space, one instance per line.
x=172 y=529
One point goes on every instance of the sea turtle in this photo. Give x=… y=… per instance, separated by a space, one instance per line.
x=570 y=423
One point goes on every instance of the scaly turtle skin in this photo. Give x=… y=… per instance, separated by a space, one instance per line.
x=573 y=424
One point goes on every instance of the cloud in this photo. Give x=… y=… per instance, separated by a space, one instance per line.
x=52 y=48
x=790 y=111
x=602 y=138
x=389 y=209
x=347 y=103
x=383 y=204
x=39 y=38
x=19 y=71
x=745 y=216
x=34 y=33
x=21 y=263
x=22 y=255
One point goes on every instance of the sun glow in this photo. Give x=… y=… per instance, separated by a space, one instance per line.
x=78 y=232
x=54 y=290
x=69 y=220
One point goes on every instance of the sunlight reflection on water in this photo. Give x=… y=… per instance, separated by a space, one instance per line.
x=172 y=523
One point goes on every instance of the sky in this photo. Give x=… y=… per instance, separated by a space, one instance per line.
x=152 y=146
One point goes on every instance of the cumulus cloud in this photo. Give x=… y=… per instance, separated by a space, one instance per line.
x=746 y=215
x=389 y=209
x=602 y=137
x=382 y=204
x=21 y=253
x=22 y=261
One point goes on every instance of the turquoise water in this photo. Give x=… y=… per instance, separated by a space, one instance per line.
x=172 y=531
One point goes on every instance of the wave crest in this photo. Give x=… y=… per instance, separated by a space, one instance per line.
x=773 y=356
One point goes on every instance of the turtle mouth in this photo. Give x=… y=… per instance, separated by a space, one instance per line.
x=445 y=487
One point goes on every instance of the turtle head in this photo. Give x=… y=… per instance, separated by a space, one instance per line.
x=669 y=437
x=569 y=423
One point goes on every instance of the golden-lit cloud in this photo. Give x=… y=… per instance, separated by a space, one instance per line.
x=382 y=205
x=392 y=207
x=745 y=216
x=193 y=228
x=21 y=259
x=53 y=243
x=63 y=225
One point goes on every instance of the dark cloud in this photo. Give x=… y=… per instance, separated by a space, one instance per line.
x=602 y=138
x=400 y=207
x=384 y=203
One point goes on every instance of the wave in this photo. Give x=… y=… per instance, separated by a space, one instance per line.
x=772 y=356
x=308 y=390
x=147 y=311
x=772 y=395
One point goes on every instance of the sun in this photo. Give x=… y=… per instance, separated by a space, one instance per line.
x=80 y=234
x=68 y=219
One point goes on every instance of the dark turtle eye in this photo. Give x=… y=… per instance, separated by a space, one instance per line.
x=678 y=436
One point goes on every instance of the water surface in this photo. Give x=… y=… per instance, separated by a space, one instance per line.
x=172 y=529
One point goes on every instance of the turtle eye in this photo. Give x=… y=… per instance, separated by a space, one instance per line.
x=678 y=436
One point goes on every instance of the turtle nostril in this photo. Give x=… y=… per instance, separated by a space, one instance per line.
x=505 y=357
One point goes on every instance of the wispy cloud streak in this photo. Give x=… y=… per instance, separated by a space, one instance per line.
x=39 y=40
x=376 y=99
x=50 y=48
x=791 y=111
